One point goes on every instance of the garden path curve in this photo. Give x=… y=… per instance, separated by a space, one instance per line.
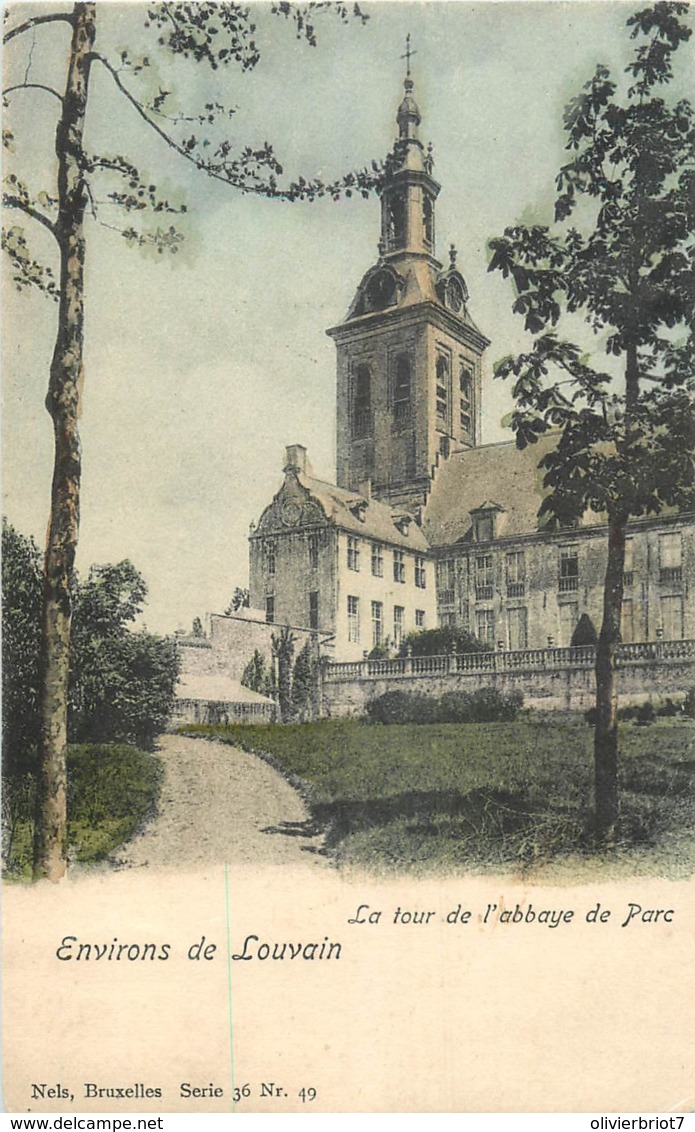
x=219 y=804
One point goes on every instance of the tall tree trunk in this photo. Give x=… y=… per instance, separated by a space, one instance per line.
x=606 y=731
x=63 y=403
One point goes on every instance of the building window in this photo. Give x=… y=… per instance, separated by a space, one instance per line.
x=484 y=527
x=569 y=616
x=395 y=221
x=270 y=609
x=353 y=612
x=419 y=619
x=569 y=569
x=428 y=220
x=353 y=554
x=398 y=566
x=362 y=403
x=670 y=562
x=485 y=627
x=446 y=581
x=515 y=569
x=442 y=388
x=313 y=552
x=401 y=391
x=377 y=623
x=483 y=577
x=628 y=574
x=270 y=561
x=465 y=384
x=420 y=573
x=672 y=617
x=398 y=617
x=377 y=560
x=517 y=628
x=314 y=609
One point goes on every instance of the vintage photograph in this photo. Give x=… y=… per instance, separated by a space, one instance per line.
x=348 y=563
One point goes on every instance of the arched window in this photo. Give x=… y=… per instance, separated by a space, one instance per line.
x=362 y=403
x=443 y=388
x=428 y=220
x=396 y=221
x=401 y=390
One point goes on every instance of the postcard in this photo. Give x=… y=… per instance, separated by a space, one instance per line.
x=348 y=558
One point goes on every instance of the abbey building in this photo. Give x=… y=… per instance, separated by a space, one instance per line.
x=426 y=526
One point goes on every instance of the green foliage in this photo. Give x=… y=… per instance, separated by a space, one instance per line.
x=584 y=633
x=112 y=791
x=485 y=705
x=283 y=644
x=121 y=682
x=438 y=642
x=304 y=684
x=625 y=268
x=21 y=638
x=257 y=676
x=241 y=599
x=495 y=795
x=689 y=705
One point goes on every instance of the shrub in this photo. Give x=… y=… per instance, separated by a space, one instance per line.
x=689 y=705
x=584 y=633
x=645 y=714
x=485 y=705
x=437 y=642
x=402 y=707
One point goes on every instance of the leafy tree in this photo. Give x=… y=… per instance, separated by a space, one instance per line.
x=91 y=184
x=256 y=675
x=439 y=642
x=121 y=682
x=21 y=636
x=283 y=649
x=584 y=632
x=241 y=599
x=305 y=683
x=625 y=267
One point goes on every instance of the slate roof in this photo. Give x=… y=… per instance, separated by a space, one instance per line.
x=468 y=480
x=378 y=523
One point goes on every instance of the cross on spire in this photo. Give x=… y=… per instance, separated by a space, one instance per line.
x=408 y=54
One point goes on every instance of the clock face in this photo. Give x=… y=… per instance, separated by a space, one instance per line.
x=454 y=295
x=291 y=513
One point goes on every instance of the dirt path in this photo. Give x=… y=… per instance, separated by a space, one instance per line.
x=221 y=804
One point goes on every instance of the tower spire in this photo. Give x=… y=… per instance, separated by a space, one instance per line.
x=408 y=55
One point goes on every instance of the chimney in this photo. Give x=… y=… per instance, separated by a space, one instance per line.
x=295 y=458
x=365 y=489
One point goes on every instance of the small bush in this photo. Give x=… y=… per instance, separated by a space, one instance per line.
x=485 y=705
x=668 y=709
x=402 y=707
x=645 y=714
x=689 y=705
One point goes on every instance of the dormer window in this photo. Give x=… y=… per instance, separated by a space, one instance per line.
x=359 y=510
x=403 y=523
x=484 y=520
x=484 y=528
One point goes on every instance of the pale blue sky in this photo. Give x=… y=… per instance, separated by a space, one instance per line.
x=200 y=371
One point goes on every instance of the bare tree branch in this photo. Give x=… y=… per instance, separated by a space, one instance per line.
x=16 y=202
x=33 y=86
x=55 y=17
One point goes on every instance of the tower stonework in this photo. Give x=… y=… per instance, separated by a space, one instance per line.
x=409 y=354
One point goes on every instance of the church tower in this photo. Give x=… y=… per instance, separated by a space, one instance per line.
x=409 y=354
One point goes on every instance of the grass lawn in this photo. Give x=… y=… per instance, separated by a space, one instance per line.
x=431 y=797
x=112 y=790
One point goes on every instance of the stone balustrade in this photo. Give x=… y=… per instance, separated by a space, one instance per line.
x=521 y=660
